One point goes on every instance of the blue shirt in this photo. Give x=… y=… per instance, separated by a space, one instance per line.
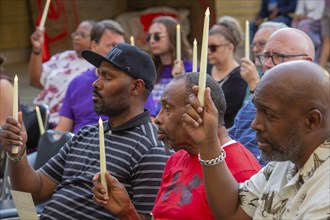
x=241 y=130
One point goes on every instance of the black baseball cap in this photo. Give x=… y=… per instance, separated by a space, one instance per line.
x=134 y=61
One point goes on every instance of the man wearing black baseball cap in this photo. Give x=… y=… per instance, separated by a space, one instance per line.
x=130 y=59
x=134 y=155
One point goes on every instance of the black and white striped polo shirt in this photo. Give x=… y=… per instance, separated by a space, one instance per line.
x=134 y=156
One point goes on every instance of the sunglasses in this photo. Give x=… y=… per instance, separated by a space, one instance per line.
x=156 y=36
x=214 y=47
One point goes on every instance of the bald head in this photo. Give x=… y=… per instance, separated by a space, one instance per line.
x=289 y=41
x=294 y=41
x=303 y=85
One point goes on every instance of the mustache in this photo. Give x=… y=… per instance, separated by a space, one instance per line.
x=96 y=93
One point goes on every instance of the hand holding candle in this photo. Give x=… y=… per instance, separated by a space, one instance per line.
x=14 y=149
x=194 y=69
x=132 y=40
x=178 y=42
x=44 y=15
x=202 y=71
x=247 y=40
x=40 y=123
x=103 y=167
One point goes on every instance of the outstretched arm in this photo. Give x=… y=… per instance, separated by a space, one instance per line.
x=35 y=64
x=220 y=186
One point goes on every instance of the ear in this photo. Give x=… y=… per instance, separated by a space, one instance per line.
x=313 y=120
x=93 y=45
x=138 y=87
x=232 y=46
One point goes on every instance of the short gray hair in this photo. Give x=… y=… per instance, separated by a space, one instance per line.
x=271 y=24
x=101 y=26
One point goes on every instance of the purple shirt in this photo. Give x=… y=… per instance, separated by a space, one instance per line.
x=165 y=78
x=78 y=104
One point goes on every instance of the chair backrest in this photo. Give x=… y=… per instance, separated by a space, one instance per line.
x=31 y=123
x=49 y=144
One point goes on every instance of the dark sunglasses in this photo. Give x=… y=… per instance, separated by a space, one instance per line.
x=214 y=47
x=156 y=36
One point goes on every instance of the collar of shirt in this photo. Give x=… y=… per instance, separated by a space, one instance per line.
x=316 y=159
x=138 y=120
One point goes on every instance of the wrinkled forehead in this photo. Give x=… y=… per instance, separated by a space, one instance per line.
x=176 y=91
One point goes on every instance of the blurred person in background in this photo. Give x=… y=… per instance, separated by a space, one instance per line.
x=224 y=38
x=53 y=77
x=161 y=39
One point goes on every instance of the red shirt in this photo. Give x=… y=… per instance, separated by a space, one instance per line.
x=182 y=195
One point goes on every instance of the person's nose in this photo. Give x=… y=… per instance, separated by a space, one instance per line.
x=158 y=117
x=256 y=123
x=268 y=64
x=97 y=84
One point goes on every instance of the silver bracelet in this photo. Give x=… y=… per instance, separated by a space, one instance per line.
x=213 y=161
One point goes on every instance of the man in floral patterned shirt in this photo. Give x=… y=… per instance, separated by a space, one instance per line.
x=293 y=131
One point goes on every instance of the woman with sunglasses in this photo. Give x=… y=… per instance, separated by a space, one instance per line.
x=161 y=39
x=224 y=38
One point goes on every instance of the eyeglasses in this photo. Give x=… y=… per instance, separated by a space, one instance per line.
x=81 y=35
x=277 y=58
x=156 y=36
x=214 y=47
x=259 y=44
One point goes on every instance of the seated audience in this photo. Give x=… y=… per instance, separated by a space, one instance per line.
x=181 y=194
x=133 y=153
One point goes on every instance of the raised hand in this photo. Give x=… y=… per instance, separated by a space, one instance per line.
x=13 y=133
x=178 y=68
x=37 y=39
x=201 y=123
x=249 y=73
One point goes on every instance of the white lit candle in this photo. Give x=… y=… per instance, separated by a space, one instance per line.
x=194 y=56
x=247 y=40
x=132 y=40
x=40 y=123
x=203 y=63
x=44 y=15
x=178 y=42
x=14 y=149
x=103 y=162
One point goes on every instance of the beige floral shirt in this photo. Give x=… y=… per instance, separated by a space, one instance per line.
x=280 y=191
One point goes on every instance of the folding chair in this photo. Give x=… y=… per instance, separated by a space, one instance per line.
x=49 y=144
x=31 y=123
